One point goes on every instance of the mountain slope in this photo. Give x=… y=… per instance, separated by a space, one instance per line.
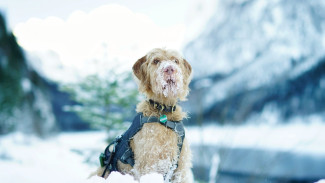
x=24 y=96
x=265 y=53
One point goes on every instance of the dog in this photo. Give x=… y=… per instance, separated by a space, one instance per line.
x=163 y=76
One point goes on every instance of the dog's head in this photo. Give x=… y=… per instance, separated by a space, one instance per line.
x=163 y=75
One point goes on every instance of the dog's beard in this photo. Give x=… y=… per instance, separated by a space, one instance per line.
x=169 y=85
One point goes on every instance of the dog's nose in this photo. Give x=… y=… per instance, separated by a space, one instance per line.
x=169 y=70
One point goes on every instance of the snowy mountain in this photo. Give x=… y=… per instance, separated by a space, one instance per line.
x=28 y=101
x=255 y=54
x=24 y=103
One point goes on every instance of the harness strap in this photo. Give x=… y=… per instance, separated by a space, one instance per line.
x=122 y=149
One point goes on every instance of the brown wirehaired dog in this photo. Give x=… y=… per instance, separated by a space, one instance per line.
x=163 y=76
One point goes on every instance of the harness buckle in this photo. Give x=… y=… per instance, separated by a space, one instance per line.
x=127 y=157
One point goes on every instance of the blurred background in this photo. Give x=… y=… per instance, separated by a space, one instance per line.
x=257 y=97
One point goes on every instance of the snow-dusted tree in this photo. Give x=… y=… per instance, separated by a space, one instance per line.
x=104 y=102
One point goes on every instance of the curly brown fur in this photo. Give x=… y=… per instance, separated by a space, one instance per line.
x=163 y=76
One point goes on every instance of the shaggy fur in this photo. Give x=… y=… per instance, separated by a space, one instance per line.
x=163 y=76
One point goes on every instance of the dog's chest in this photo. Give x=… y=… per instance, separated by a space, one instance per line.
x=155 y=147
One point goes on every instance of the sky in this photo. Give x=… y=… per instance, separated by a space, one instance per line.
x=65 y=40
x=18 y=11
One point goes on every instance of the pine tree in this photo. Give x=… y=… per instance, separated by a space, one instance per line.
x=104 y=102
x=11 y=71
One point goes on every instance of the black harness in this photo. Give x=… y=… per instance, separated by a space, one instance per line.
x=120 y=148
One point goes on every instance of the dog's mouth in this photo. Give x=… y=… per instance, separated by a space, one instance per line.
x=169 y=83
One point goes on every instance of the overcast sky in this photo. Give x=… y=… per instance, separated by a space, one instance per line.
x=86 y=36
x=162 y=12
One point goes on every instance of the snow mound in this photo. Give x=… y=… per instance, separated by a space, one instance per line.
x=116 y=177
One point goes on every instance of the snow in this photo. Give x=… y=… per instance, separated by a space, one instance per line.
x=26 y=85
x=164 y=87
x=242 y=34
x=214 y=168
x=294 y=150
x=199 y=13
x=72 y=157
x=303 y=135
x=55 y=159
x=154 y=177
x=26 y=158
x=116 y=177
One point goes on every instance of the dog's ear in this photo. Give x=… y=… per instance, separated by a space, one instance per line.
x=137 y=67
x=187 y=67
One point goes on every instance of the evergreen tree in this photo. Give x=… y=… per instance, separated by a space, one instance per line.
x=104 y=103
x=12 y=69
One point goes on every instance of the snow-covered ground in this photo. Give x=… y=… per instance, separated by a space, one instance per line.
x=58 y=159
x=116 y=177
x=70 y=157
x=67 y=157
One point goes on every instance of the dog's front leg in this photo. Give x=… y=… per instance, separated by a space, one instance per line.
x=155 y=150
x=183 y=173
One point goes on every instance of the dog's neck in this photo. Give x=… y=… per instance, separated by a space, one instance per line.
x=161 y=99
x=149 y=110
x=162 y=107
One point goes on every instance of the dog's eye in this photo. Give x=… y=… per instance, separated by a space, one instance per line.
x=156 y=61
x=176 y=61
